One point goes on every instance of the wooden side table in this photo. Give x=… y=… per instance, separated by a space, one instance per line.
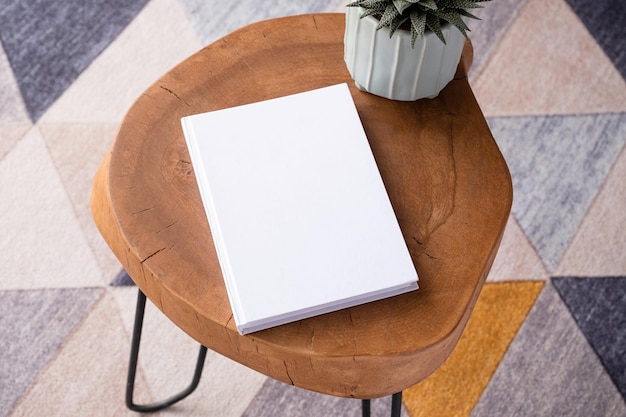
x=446 y=178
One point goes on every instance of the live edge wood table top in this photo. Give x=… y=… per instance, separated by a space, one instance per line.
x=446 y=178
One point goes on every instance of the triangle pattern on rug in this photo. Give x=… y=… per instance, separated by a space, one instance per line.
x=76 y=151
x=42 y=244
x=87 y=373
x=496 y=18
x=599 y=246
x=11 y=135
x=516 y=259
x=550 y=369
x=158 y=38
x=545 y=76
x=456 y=386
x=555 y=184
x=37 y=322
x=276 y=398
x=49 y=44
x=212 y=22
x=123 y=280
x=12 y=109
x=605 y=20
x=598 y=306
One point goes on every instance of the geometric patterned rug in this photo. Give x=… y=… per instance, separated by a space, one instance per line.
x=548 y=334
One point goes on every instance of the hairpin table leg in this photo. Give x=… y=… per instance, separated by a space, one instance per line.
x=132 y=366
x=366 y=407
x=396 y=405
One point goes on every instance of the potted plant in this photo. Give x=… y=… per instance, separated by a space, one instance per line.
x=405 y=49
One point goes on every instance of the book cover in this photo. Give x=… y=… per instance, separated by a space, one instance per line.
x=297 y=208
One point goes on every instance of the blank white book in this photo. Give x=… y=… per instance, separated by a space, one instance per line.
x=297 y=208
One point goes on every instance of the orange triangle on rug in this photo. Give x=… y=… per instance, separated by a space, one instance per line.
x=455 y=387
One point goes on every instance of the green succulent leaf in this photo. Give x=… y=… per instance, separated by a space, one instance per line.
x=369 y=4
x=418 y=25
x=468 y=14
x=401 y=5
x=428 y=4
x=432 y=23
x=388 y=16
x=399 y=21
x=460 y=4
x=454 y=18
x=422 y=15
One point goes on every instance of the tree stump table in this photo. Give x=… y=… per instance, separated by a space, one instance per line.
x=447 y=181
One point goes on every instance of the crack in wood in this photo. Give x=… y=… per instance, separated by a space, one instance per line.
x=287 y=372
x=153 y=254
x=146 y=209
x=174 y=94
x=167 y=227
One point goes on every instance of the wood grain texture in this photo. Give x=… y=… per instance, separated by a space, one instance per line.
x=447 y=181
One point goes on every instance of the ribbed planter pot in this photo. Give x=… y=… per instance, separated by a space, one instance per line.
x=390 y=68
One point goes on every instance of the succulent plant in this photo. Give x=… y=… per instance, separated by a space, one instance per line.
x=421 y=15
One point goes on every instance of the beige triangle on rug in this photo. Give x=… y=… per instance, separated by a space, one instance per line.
x=541 y=63
x=516 y=258
x=88 y=374
x=41 y=244
x=77 y=151
x=156 y=40
x=167 y=359
x=11 y=134
x=599 y=246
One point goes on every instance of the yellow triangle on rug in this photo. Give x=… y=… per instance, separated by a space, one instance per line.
x=455 y=387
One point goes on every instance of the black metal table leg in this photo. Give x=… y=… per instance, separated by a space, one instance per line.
x=396 y=405
x=366 y=407
x=396 y=399
x=132 y=366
